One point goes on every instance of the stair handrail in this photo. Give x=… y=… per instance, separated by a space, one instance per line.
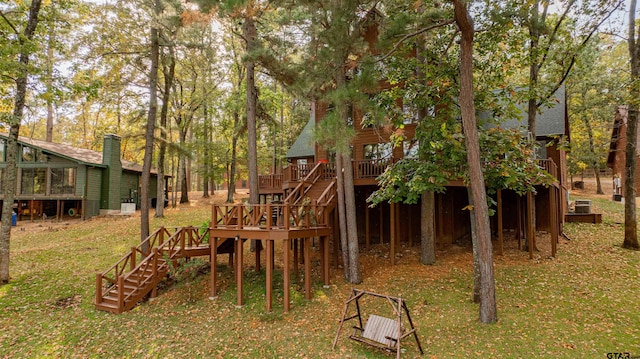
x=327 y=199
x=301 y=189
x=328 y=194
x=182 y=237
x=108 y=279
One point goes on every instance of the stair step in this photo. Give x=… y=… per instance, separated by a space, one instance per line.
x=108 y=307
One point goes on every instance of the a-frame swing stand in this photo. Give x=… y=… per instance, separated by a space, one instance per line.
x=380 y=332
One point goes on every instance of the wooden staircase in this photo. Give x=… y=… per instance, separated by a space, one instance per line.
x=125 y=284
x=318 y=186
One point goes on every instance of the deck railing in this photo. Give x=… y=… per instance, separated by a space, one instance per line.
x=270 y=182
x=297 y=172
x=109 y=278
x=365 y=169
x=314 y=174
x=160 y=243
x=549 y=166
x=270 y=216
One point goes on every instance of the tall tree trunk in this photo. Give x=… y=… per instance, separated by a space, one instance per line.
x=231 y=178
x=630 y=219
x=427 y=228
x=169 y=74
x=476 y=260
x=51 y=42
x=488 y=311
x=355 y=276
x=150 y=128
x=10 y=171
x=592 y=150
x=182 y=162
x=428 y=198
x=205 y=160
x=249 y=32
x=342 y=219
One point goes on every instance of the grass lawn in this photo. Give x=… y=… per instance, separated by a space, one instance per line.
x=582 y=304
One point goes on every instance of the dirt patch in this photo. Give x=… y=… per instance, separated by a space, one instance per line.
x=67 y=302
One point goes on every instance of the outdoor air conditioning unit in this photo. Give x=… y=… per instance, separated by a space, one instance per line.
x=583 y=206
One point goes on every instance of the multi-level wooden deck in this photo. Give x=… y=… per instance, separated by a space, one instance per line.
x=293 y=223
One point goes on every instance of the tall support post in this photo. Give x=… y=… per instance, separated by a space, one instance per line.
x=410 y=229
x=295 y=257
x=213 y=246
x=392 y=233
x=239 y=273
x=307 y=268
x=336 y=240
x=285 y=254
x=367 y=230
x=269 y=270
x=530 y=223
x=325 y=260
x=381 y=224
x=518 y=221
x=553 y=210
x=257 y=251
x=500 y=224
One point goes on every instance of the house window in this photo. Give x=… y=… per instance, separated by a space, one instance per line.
x=541 y=150
x=30 y=154
x=63 y=180
x=410 y=149
x=378 y=151
x=409 y=113
x=34 y=181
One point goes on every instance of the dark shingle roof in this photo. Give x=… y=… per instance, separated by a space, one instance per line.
x=81 y=155
x=551 y=120
x=304 y=145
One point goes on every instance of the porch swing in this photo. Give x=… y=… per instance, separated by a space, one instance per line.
x=379 y=332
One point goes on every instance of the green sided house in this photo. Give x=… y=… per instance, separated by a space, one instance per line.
x=57 y=180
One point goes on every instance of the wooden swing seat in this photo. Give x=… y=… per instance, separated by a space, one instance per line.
x=379 y=332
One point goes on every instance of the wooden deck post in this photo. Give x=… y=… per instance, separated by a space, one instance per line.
x=410 y=229
x=213 y=246
x=325 y=259
x=258 y=250
x=500 y=224
x=367 y=230
x=120 y=294
x=295 y=257
x=307 y=268
x=133 y=258
x=392 y=233
x=553 y=210
x=154 y=268
x=98 y=288
x=518 y=220
x=239 y=273
x=336 y=239
x=269 y=274
x=381 y=224
x=530 y=223
x=285 y=254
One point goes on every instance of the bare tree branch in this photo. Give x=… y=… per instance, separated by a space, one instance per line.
x=408 y=36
